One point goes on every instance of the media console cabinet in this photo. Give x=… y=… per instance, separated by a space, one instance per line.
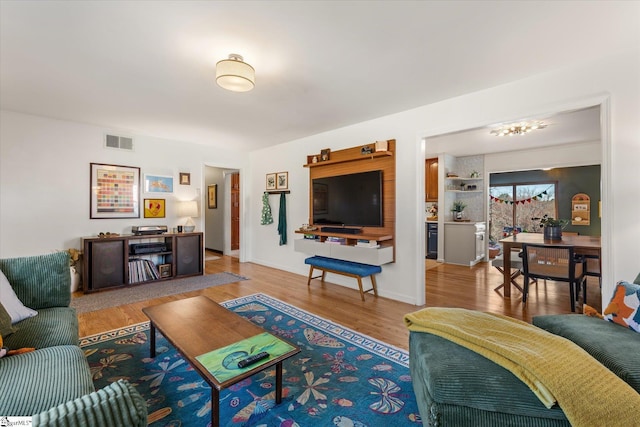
x=113 y=262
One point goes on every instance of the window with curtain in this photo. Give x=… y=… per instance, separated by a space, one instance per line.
x=513 y=206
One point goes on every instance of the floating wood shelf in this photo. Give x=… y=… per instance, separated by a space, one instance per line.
x=373 y=155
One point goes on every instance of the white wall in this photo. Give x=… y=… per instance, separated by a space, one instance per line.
x=612 y=81
x=44 y=181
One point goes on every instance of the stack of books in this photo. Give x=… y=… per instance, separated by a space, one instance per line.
x=141 y=270
x=336 y=240
x=365 y=243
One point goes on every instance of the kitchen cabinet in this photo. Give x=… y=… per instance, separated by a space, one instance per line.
x=431 y=180
x=464 y=243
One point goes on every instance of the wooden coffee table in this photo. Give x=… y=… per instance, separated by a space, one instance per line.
x=198 y=325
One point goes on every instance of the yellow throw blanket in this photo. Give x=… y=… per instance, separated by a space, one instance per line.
x=556 y=369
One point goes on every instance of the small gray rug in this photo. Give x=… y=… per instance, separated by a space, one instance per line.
x=136 y=293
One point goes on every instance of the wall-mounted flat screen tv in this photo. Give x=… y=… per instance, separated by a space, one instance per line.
x=349 y=200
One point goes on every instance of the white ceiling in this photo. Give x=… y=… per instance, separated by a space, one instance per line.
x=146 y=67
x=570 y=127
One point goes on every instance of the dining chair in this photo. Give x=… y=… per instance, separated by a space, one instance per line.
x=516 y=264
x=558 y=263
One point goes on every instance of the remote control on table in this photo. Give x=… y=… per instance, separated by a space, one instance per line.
x=253 y=359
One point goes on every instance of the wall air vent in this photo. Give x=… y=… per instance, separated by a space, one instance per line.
x=118 y=142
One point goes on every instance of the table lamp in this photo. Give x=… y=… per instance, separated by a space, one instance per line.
x=190 y=210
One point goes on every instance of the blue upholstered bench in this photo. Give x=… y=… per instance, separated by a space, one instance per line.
x=345 y=268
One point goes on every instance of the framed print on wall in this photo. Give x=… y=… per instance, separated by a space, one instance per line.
x=154 y=208
x=115 y=191
x=282 y=181
x=212 y=196
x=158 y=183
x=185 y=178
x=271 y=181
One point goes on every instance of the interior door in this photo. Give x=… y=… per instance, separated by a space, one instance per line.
x=235 y=211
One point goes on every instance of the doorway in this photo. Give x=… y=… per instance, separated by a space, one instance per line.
x=222 y=216
x=585 y=146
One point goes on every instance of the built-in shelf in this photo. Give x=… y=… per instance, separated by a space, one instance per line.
x=454 y=178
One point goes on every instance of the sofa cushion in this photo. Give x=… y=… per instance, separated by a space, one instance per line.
x=118 y=404
x=624 y=308
x=12 y=304
x=6 y=328
x=40 y=281
x=52 y=326
x=615 y=347
x=465 y=387
x=37 y=381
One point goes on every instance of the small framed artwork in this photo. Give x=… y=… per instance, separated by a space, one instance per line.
x=154 y=208
x=158 y=184
x=282 y=181
x=271 y=181
x=115 y=191
x=185 y=178
x=212 y=196
x=164 y=270
x=325 y=154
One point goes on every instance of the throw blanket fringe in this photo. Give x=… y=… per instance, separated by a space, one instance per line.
x=556 y=369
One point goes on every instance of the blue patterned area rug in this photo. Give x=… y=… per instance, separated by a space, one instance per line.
x=341 y=378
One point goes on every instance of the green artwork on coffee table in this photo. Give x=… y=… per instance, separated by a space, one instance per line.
x=223 y=362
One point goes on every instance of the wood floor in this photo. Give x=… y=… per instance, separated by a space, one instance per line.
x=447 y=286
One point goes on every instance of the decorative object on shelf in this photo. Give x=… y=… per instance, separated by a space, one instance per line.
x=315 y=159
x=154 y=208
x=271 y=181
x=282 y=180
x=115 y=191
x=474 y=175
x=185 y=178
x=188 y=209
x=382 y=145
x=212 y=196
x=103 y=235
x=325 y=154
x=458 y=208
x=234 y=74
x=158 y=184
x=552 y=228
x=451 y=175
x=366 y=150
x=518 y=128
x=433 y=212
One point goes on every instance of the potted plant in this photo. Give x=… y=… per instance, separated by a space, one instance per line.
x=458 y=207
x=552 y=227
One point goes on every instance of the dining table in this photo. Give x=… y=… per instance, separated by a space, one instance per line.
x=583 y=245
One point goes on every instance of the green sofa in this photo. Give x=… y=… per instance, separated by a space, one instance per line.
x=53 y=384
x=455 y=386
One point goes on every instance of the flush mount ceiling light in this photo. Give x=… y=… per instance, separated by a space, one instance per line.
x=518 y=128
x=234 y=74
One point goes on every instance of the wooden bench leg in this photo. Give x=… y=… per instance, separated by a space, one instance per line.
x=311 y=275
x=360 y=286
x=375 y=285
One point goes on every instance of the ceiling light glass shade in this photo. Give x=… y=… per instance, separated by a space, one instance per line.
x=234 y=74
x=518 y=128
